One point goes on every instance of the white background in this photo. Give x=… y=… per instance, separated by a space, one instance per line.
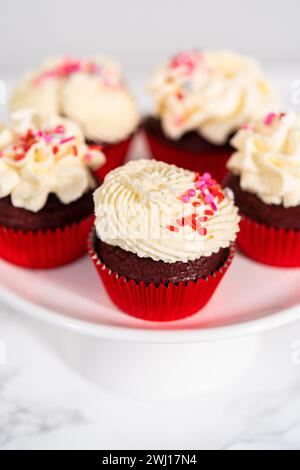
x=142 y=32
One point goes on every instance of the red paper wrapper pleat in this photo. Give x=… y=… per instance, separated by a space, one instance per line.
x=115 y=156
x=268 y=245
x=157 y=303
x=214 y=163
x=45 y=249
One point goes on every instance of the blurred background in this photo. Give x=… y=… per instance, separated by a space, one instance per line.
x=142 y=33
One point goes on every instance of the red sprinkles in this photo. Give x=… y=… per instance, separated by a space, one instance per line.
x=172 y=228
x=68 y=67
x=206 y=191
x=186 y=61
x=54 y=137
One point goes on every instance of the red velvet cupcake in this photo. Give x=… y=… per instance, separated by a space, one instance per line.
x=46 y=186
x=163 y=239
x=201 y=99
x=265 y=179
x=91 y=92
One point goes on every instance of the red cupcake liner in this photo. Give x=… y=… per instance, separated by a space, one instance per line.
x=115 y=156
x=214 y=163
x=166 y=302
x=269 y=245
x=45 y=249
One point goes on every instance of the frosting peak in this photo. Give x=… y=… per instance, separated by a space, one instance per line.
x=212 y=93
x=92 y=92
x=40 y=155
x=164 y=212
x=267 y=158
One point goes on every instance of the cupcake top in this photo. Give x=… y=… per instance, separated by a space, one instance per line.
x=164 y=212
x=43 y=155
x=267 y=158
x=212 y=93
x=92 y=92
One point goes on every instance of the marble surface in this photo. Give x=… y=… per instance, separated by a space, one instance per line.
x=46 y=404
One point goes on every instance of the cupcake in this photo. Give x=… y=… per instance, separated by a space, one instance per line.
x=92 y=93
x=265 y=179
x=46 y=187
x=201 y=100
x=163 y=238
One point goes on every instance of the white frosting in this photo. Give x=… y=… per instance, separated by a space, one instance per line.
x=90 y=92
x=140 y=208
x=44 y=96
x=212 y=93
x=43 y=155
x=268 y=158
x=105 y=114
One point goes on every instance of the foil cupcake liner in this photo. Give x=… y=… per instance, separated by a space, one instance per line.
x=160 y=303
x=214 y=163
x=268 y=245
x=115 y=156
x=45 y=249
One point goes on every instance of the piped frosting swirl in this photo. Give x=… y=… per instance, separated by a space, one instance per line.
x=267 y=158
x=91 y=92
x=164 y=212
x=41 y=155
x=212 y=93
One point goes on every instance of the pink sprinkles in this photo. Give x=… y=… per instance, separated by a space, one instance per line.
x=54 y=138
x=187 y=61
x=68 y=67
x=206 y=190
x=67 y=139
x=269 y=118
